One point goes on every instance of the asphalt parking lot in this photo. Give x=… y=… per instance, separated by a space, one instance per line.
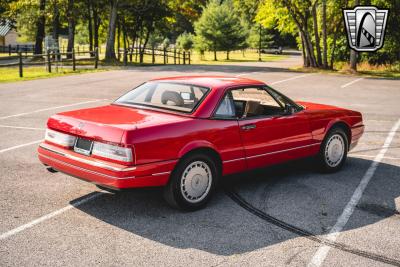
x=272 y=217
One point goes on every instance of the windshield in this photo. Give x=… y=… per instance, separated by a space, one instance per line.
x=165 y=95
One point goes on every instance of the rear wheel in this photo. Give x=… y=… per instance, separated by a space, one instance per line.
x=333 y=151
x=192 y=182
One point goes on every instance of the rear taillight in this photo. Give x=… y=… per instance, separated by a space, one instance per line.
x=123 y=154
x=58 y=138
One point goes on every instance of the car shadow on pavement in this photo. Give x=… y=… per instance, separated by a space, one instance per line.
x=293 y=193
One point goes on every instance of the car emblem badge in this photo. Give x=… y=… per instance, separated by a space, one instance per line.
x=365 y=27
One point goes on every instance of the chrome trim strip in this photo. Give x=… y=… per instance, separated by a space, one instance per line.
x=160 y=173
x=89 y=162
x=270 y=153
x=232 y=160
x=281 y=151
x=86 y=170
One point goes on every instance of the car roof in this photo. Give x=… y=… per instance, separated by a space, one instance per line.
x=213 y=82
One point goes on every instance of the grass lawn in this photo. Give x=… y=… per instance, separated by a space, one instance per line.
x=364 y=69
x=236 y=56
x=12 y=74
x=208 y=58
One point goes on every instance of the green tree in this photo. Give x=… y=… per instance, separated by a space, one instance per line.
x=185 y=41
x=221 y=28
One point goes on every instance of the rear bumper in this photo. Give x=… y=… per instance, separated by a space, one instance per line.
x=104 y=173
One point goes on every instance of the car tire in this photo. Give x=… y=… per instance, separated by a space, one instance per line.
x=192 y=183
x=333 y=151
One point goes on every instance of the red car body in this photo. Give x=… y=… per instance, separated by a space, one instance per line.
x=160 y=138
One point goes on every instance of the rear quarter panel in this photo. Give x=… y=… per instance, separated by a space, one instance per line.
x=173 y=140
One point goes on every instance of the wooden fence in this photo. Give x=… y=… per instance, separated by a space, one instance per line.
x=50 y=59
x=59 y=59
x=16 y=48
x=136 y=54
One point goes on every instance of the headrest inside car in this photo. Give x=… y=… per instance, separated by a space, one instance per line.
x=170 y=96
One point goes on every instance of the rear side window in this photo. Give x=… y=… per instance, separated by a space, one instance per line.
x=226 y=108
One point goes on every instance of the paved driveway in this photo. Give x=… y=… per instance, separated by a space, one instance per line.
x=271 y=217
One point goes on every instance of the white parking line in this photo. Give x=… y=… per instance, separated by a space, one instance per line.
x=350 y=83
x=323 y=251
x=49 y=216
x=19 y=146
x=51 y=108
x=20 y=127
x=292 y=78
x=370 y=156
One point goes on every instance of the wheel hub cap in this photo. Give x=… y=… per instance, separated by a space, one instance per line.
x=334 y=150
x=196 y=181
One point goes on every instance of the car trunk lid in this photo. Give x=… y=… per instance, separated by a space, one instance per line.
x=107 y=123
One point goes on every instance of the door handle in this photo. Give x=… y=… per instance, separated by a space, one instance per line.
x=248 y=127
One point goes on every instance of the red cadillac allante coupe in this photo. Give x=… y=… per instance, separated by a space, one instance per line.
x=184 y=133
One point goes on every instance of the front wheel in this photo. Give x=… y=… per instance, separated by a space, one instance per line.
x=333 y=152
x=192 y=183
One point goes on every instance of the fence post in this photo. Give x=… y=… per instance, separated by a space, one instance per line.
x=184 y=57
x=179 y=57
x=125 y=59
x=174 y=56
x=73 y=59
x=9 y=49
x=20 y=64
x=153 y=59
x=48 y=61
x=96 y=57
x=189 y=57
x=165 y=62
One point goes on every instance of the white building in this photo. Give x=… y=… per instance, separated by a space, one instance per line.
x=8 y=35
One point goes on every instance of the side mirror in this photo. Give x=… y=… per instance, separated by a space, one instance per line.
x=289 y=109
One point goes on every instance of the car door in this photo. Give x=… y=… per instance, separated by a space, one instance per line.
x=269 y=134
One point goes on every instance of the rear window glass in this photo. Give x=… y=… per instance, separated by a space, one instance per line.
x=165 y=95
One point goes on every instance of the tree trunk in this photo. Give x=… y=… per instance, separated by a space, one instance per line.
x=316 y=34
x=227 y=55
x=144 y=46
x=118 y=38
x=110 y=46
x=96 y=25
x=215 y=54
x=56 y=21
x=324 y=36
x=309 y=49
x=71 y=27
x=124 y=33
x=40 y=30
x=353 y=60
x=90 y=26
x=335 y=36
x=353 y=53
x=305 y=61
